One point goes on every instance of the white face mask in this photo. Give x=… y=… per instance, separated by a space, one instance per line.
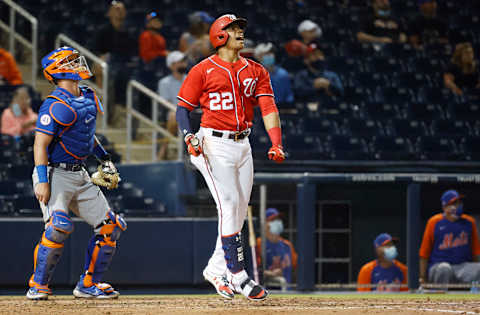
x=390 y=253
x=276 y=227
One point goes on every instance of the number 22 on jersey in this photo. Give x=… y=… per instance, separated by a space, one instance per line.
x=221 y=101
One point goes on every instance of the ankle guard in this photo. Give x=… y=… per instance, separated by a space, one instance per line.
x=233 y=249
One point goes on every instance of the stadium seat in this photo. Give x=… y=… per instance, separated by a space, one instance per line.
x=437 y=148
x=471 y=148
x=409 y=128
x=393 y=148
x=348 y=148
x=365 y=128
x=450 y=128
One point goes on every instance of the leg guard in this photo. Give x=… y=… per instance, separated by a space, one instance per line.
x=102 y=247
x=232 y=246
x=50 y=249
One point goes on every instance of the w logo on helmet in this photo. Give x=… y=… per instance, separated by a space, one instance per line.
x=230 y=16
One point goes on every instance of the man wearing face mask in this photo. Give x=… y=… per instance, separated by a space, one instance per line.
x=281 y=258
x=316 y=80
x=385 y=272
x=427 y=28
x=282 y=88
x=381 y=27
x=450 y=249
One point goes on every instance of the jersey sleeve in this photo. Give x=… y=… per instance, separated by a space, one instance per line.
x=45 y=122
x=191 y=89
x=365 y=277
x=427 y=241
x=258 y=250
x=264 y=86
x=475 y=240
x=404 y=270
x=293 y=253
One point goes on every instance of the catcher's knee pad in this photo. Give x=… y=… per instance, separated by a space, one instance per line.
x=58 y=227
x=45 y=259
x=233 y=249
x=112 y=226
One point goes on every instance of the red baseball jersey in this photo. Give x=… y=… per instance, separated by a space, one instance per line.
x=227 y=92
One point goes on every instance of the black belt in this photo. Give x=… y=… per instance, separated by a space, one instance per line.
x=68 y=166
x=234 y=135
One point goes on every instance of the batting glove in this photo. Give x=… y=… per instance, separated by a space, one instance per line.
x=276 y=153
x=193 y=145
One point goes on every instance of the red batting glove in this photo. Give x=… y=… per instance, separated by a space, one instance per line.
x=193 y=145
x=276 y=153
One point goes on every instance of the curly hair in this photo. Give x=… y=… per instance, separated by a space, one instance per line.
x=457 y=58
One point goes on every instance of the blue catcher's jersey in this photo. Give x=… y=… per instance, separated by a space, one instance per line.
x=72 y=121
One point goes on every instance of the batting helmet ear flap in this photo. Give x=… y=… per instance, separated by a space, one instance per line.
x=218 y=34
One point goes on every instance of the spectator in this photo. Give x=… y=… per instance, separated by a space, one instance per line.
x=195 y=42
x=279 y=77
x=309 y=31
x=9 y=73
x=19 y=118
x=316 y=80
x=381 y=27
x=281 y=258
x=117 y=47
x=168 y=88
x=463 y=71
x=427 y=28
x=385 y=272
x=151 y=44
x=450 y=249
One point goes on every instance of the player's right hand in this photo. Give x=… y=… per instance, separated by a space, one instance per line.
x=193 y=145
x=42 y=192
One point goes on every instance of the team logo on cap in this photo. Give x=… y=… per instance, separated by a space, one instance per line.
x=231 y=16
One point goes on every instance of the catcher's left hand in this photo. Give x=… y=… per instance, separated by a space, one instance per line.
x=106 y=176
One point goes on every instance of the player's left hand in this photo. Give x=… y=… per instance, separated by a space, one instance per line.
x=193 y=145
x=106 y=176
x=276 y=153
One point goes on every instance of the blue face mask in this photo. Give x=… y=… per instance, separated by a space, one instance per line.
x=268 y=60
x=276 y=227
x=17 y=111
x=383 y=13
x=390 y=253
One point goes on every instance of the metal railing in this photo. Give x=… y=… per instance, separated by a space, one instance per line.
x=15 y=8
x=153 y=122
x=62 y=38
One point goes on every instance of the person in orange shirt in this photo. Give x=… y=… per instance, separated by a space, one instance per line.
x=385 y=272
x=9 y=73
x=281 y=257
x=19 y=118
x=450 y=249
x=151 y=43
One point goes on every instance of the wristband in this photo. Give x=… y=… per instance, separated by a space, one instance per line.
x=42 y=173
x=99 y=151
x=275 y=135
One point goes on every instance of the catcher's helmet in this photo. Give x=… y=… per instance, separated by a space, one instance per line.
x=65 y=63
x=218 y=35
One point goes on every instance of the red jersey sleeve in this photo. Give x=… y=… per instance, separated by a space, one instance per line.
x=428 y=237
x=264 y=86
x=192 y=89
x=365 y=276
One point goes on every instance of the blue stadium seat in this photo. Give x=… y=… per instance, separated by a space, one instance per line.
x=426 y=112
x=466 y=112
x=365 y=128
x=450 y=128
x=471 y=148
x=382 y=111
x=393 y=148
x=302 y=147
x=438 y=149
x=409 y=128
x=348 y=148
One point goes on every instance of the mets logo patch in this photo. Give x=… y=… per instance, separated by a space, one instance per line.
x=45 y=119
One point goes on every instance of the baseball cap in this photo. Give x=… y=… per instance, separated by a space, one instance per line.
x=308 y=25
x=262 y=48
x=150 y=16
x=174 y=56
x=383 y=239
x=272 y=214
x=200 y=16
x=312 y=47
x=450 y=196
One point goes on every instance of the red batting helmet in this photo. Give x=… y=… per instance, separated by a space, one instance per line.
x=218 y=35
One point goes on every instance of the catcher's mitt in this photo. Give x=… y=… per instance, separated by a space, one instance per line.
x=106 y=176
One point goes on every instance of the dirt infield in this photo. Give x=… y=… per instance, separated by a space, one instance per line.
x=280 y=304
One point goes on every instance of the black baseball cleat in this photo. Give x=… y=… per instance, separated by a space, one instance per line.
x=253 y=291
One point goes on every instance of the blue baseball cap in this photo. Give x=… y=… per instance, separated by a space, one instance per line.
x=272 y=214
x=450 y=196
x=150 y=16
x=383 y=239
x=200 y=16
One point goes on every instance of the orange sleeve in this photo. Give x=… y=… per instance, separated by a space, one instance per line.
x=293 y=254
x=145 y=47
x=365 y=276
x=475 y=240
x=13 y=75
x=427 y=241
x=192 y=89
x=258 y=250
x=404 y=270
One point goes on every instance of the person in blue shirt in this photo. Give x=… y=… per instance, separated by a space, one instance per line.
x=280 y=78
x=316 y=80
x=281 y=258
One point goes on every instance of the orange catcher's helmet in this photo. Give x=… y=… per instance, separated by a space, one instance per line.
x=218 y=34
x=65 y=63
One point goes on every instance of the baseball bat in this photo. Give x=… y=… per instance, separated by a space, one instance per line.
x=252 y=242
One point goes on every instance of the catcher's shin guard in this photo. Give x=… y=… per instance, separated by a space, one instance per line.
x=102 y=247
x=233 y=249
x=50 y=249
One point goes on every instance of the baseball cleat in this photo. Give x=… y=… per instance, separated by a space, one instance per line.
x=96 y=291
x=220 y=283
x=252 y=291
x=38 y=293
